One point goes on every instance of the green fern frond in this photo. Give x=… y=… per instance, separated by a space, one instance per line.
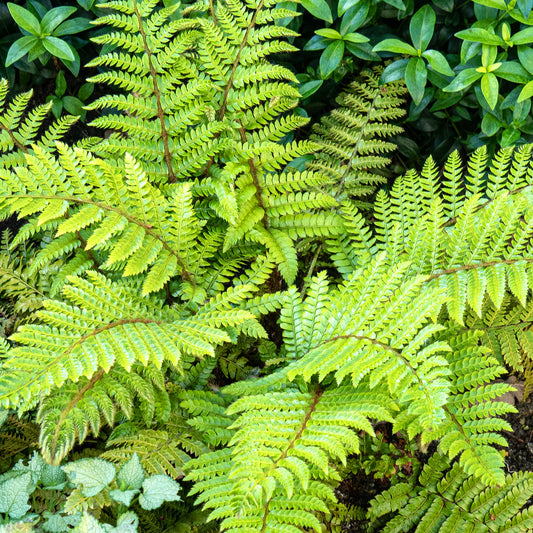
x=104 y=324
x=67 y=416
x=425 y=506
x=21 y=128
x=160 y=451
x=352 y=138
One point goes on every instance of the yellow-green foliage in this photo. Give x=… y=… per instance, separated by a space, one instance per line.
x=169 y=240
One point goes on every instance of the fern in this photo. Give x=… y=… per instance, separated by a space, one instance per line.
x=426 y=506
x=353 y=149
x=21 y=129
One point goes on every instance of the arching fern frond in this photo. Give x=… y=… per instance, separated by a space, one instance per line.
x=77 y=409
x=105 y=324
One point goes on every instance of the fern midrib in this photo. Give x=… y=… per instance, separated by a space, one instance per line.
x=461 y=429
x=312 y=407
x=475 y=266
x=451 y=221
x=14 y=140
x=343 y=178
x=157 y=94
x=236 y=62
x=64 y=414
x=13 y=274
x=359 y=138
x=389 y=348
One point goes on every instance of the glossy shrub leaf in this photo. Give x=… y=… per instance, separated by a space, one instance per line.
x=86 y=4
x=421 y=27
x=355 y=38
x=438 y=62
x=331 y=58
x=309 y=88
x=490 y=88
x=525 y=56
x=362 y=50
x=354 y=17
x=56 y=16
x=24 y=19
x=513 y=71
x=71 y=27
x=464 y=79
x=523 y=37
x=318 y=8
x=58 y=47
x=395 y=71
x=73 y=105
x=490 y=125
x=345 y=5
x=398 y=4
x=415 y=78
x=480 y=35
x=329 y=33
x=509 y=137
x=317 y=42
x=85 y=91
x=396 y=46
x=20 y=48
x=526 y=92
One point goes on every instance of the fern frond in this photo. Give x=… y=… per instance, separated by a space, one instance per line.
x=425 y=506
x=353 y=149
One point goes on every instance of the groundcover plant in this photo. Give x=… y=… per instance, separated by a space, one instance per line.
x=211 y=308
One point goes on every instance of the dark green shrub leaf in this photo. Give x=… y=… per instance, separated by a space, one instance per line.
x=438 y=62
x=58 y=47
x=490 y=88
x=354 y=17
x=525 y=56
x=70 y=27
x=526 y=92
x=394 y=45
x=395 y=71
x=415 y=78
x=421 y=27
x=20 y=48
x=56 y=16
x=24 y=19
x=464 y=79
x=479 y=35
x=319 y=9
x=331 y=58
x=513 y=71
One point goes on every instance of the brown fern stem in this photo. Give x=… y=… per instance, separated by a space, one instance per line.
x=157 y=94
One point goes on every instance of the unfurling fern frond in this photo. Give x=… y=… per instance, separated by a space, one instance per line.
x=352 y=138
x=426 y=505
